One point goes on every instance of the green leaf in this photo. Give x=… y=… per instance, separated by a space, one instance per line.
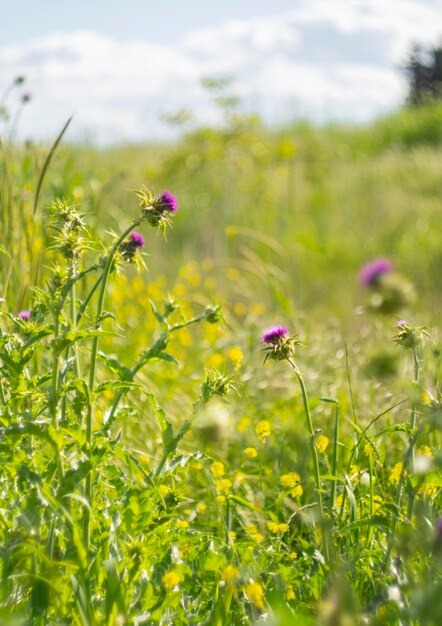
x=124 y=373
x=405 y=427
x=114 y=384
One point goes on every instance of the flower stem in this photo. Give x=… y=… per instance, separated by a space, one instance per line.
x=312 y=436
x=93 y=365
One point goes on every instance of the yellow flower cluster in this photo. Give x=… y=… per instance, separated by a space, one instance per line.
x=395 y=474
x=263 y=430
x=252 y=453
x=236 y=356
x=321 y=443
x=243 y=424
x=230 y=574
x=254 y=533
x=255 y=595
x=171 y=580
x=181 y=523
x=291 y=481
x=224 y=485
x=277 y=528
x=217 y=469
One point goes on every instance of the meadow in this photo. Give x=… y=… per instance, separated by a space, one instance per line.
x=220 y=389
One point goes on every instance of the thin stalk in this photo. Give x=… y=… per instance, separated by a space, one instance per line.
x=413 y=411
x=312 y=436
x=335 y=457
x=413 y=426
x=55 y=369
x=93 y=365
x=396 y=517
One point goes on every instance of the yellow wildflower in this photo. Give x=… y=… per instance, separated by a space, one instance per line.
x=220 y=499
x=377 y=503
x=395 y=474
x=224 y=484
x=201 y=507
x=290 y=593
x=217 y=469
x=243 y=424
x=230 y=574
x=290 y=480
x=424 y=451
x=283 y=528
x=187 y=511
x=170 y=580
x=321 y=443
x=354 y=472
x=181 y=523
x=367 y=449
x=263 y=430
x=233 y=273
x=215 y=360
x=293 y=555
x=257 y=309
x=252 y=453
x=232 y=535
x=164 y=490
x=273 y=527
x=297 y=491
x=429 y=490
x=240 y=309
x=255 y=594
x=236 y=356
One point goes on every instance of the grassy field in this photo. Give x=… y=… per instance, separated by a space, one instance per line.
x=155 y=470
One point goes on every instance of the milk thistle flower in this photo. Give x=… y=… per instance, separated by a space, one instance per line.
x=24 y=315
x=166 y=202
x=129 y=248
x=279 y=346
x=157 y=209
x=137 y=239
x=274 y=334
x=373 y=271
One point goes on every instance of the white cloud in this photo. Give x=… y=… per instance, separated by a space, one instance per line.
x=324 y=60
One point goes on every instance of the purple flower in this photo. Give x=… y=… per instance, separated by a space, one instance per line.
x=401 y=324
x=167 y=202
x=24 y=315
x=372 y=271
x=137 y=239
x=438 y=527
x=274 y=334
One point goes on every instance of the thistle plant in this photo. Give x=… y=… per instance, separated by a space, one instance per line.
x=280 y=346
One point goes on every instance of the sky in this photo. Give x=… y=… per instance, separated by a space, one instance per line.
x=117 y=66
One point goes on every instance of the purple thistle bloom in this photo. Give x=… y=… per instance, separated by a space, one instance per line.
x=401 y=324
x=24 y=315
x=137 y=239
x=168 y=202
x=274 y=334
x=372 y=271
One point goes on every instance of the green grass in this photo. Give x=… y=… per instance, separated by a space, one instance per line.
x=154 y=469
